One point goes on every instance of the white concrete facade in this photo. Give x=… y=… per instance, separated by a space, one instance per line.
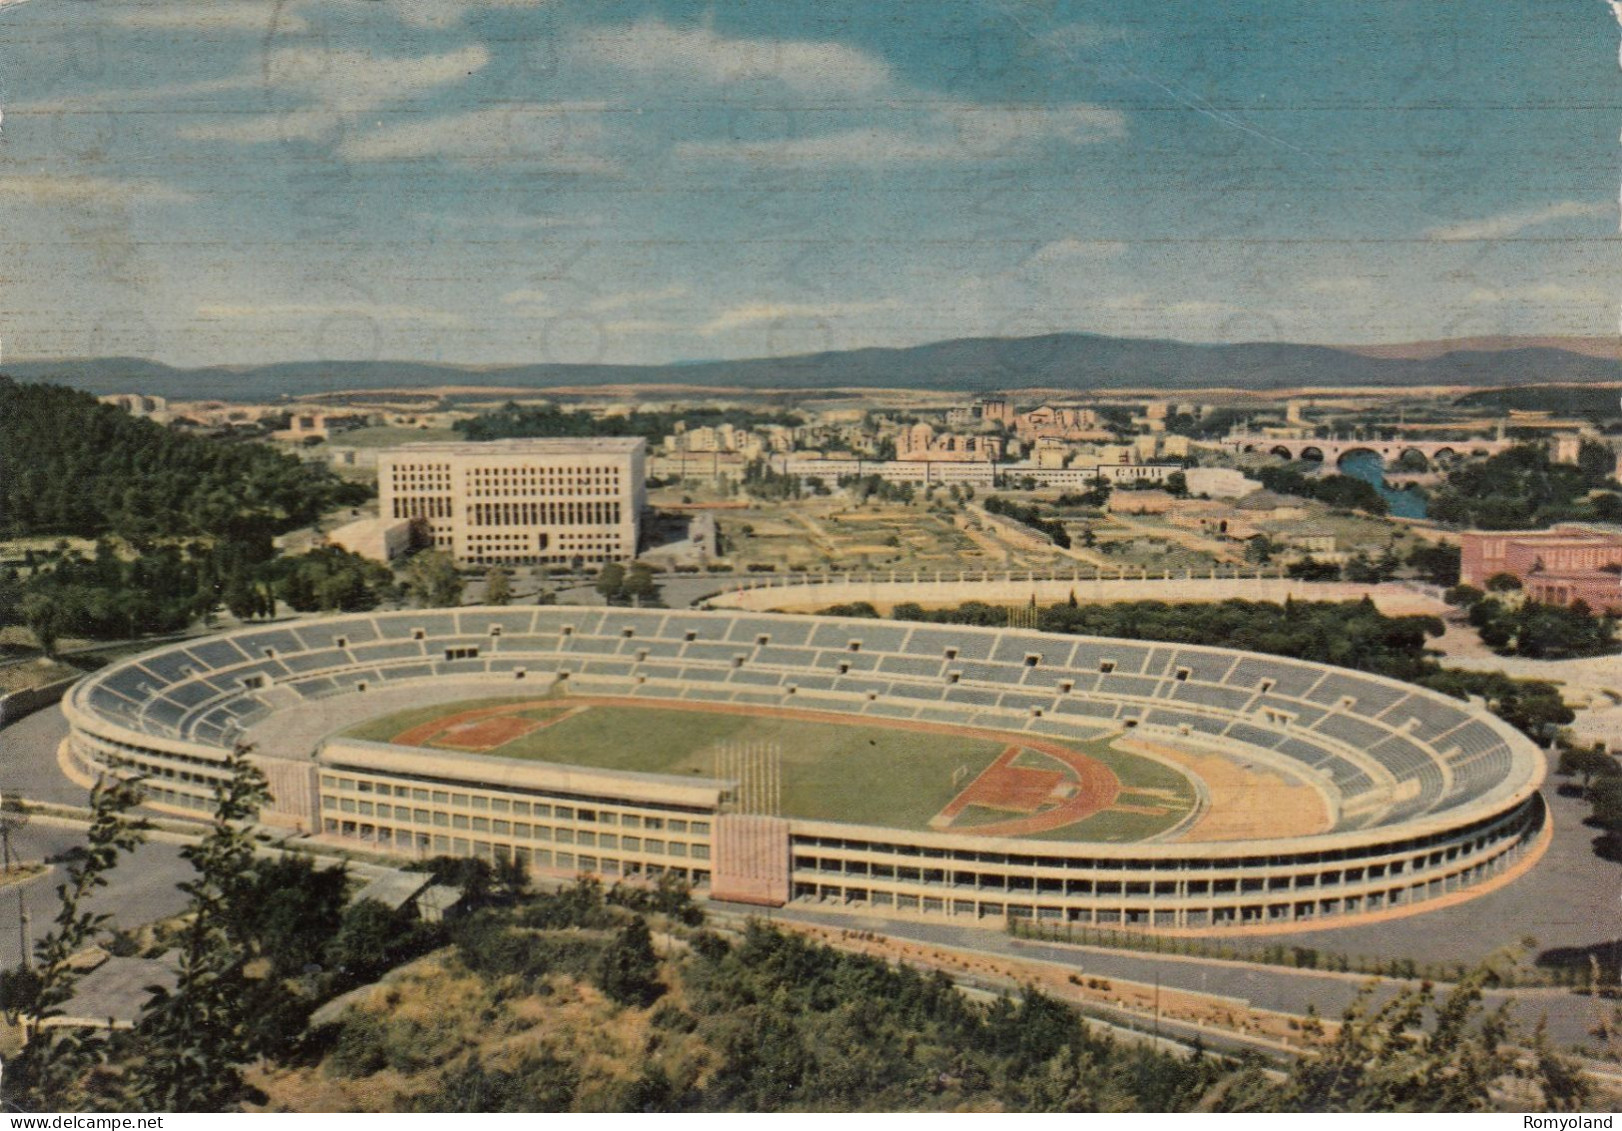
x=521 y=502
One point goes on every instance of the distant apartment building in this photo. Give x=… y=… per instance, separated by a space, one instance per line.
x=1049 y=422
x=316 y=425
x=981 y=473
x=531 y=502
x=1084 y=475
x=138 y=404
x=921 y=442
x=1571 y=562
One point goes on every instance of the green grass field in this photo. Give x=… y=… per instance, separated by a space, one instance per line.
x=854 y=773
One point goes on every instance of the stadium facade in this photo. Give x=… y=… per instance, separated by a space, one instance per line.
x=528 y=502
x=1429 y=798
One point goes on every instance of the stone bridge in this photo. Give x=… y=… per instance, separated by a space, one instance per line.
x=1389 y=451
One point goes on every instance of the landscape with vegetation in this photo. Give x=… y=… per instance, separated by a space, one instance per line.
x=628 y=999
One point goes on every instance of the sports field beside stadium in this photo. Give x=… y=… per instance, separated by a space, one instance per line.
x=899 y=775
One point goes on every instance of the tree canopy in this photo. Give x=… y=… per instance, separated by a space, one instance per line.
x=71 y=465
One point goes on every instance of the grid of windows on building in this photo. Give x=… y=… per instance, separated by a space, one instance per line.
x=521 y=502
x=548 y=834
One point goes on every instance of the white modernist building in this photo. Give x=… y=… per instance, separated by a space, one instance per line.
x=568 y=501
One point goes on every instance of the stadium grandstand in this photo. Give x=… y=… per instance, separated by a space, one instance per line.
x=1424 y=799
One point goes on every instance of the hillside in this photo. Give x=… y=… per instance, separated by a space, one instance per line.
x=1059 y=361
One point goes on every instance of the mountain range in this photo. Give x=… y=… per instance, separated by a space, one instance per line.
x=1053 y=361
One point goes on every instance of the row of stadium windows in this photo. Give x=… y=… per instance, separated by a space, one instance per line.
x=494 y=803
x=957 y=902
x=415 y=842
x=520 y=830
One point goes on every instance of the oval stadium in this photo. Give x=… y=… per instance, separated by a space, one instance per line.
x=882 y=767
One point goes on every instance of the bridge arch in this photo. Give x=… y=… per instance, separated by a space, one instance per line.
x=1360 y=449
x=1311 y=452
x=1282 y=451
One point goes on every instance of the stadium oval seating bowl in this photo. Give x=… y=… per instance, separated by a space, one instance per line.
x=1430 y=798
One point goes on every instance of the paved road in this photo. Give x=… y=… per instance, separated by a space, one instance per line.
x=28 y=759
x=141 y=889
x=1569 y=1016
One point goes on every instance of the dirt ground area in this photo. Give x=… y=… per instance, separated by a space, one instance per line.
x=1071 y=985
x=1244 y=803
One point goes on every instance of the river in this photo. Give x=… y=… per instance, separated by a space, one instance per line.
x=1371 y=469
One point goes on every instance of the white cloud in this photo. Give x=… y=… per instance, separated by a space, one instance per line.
x=540 y=302
x=1069 y=38
x=360 y=80
x=654 y=48
x=510 y=223
x=1540 y=294
x=50 y=189
x=561 y=136
x=444 y=13
x=636 y=298
x=258 y=129
x=216 y=16
x=526 y=296
x=325 y=84
x=381 y=312
x=1510 y=223
x=1069 y=251
x=644 y=326
x=1344 y=285
x=949 y=133
x=754 y=313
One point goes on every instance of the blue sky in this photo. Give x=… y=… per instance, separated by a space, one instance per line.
x=523 y=180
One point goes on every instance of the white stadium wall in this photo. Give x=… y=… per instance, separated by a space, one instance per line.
x=1432 y=799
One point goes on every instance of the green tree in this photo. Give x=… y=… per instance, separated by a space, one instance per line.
x=639 y=582
x=432 y=580
x=196 y=1039
x=49 y=1072
x=44 y=617
x=1382 y=1060
x=629 y=973
x=498 y=589
x=1436 y=563
x=369 y=942
x=611 y=581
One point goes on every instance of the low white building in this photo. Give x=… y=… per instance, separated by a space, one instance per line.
x=382 y=539
x=1219 y=482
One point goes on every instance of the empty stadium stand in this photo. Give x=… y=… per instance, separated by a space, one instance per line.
x=1398 y=765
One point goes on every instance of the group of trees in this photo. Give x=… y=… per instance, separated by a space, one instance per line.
x=514 y=421
x=1031 y=516
x=1522 y=488
x=865 y=487
x=265 y=937
x=327 y=579
x=1097 y=495
x=762 y=481
x=114 y=595
x=70 y=465
x=1532 y=628
x=619 y=583
x=183 y=523
x=1601 y=787
x=1346 y=492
